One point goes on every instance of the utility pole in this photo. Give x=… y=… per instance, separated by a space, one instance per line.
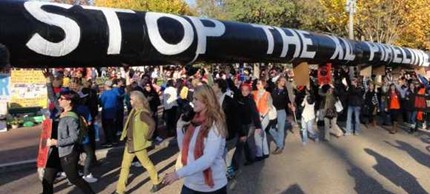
x=350 y=8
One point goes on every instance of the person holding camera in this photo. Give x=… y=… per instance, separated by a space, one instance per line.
x=201 y=143
x=137 y=133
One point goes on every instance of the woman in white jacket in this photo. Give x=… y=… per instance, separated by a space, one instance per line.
x=202 y=143
x=308 y=117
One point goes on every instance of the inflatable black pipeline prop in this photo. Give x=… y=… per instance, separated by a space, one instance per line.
x=41 y=34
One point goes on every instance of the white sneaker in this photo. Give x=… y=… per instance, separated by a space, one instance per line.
x=63 y=175
x=137 y=164
x=118 y=133
x=90 y=179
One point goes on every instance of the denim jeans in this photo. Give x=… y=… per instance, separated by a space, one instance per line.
x=356 y=111
x=412 y=117
x=308 y=127
x=278 y=134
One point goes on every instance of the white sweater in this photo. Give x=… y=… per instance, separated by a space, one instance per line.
x=212 y=157
x=309 y=110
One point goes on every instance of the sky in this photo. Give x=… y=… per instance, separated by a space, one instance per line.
x=191 y=2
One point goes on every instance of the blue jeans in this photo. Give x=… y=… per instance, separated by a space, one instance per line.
x=412 y=117
x=356 y=111
x=278 y=134
x=308 y=127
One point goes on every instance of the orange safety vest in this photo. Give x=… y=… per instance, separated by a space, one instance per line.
x=420 y=104
x=394 y=101
x=262 y=106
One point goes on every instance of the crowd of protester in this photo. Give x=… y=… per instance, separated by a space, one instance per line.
x=210 y=110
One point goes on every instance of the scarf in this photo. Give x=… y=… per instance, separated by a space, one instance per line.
x=198 y=120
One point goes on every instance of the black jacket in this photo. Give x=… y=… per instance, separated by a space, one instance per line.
x=355 y=96
x=410 y=100
x=230 y=108
x=248 y=112
x=154 y=100
x=280 y=98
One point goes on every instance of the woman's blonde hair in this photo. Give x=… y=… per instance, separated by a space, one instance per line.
x=214 y=112
x=141 y=101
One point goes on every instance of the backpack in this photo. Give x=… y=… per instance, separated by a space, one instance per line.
x=83 y=125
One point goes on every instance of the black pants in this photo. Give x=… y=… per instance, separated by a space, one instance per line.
x=186 y=190
x=70 y=167
x=109 y=130
x=170 y=116
x=155 y=117
x=53 y=166
x=92 y=136
x=246 y=146
x=394 y=114
x=119 y=121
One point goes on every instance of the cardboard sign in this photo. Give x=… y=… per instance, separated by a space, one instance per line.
x=379 y=70
x=42 y=156
x=366 y=72
x=421 y=71
x=301 y=74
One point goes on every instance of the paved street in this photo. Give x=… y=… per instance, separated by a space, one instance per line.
x=373 y=162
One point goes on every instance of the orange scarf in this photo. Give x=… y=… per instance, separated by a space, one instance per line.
x=198 y=120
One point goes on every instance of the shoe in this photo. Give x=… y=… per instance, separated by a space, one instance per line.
x=347 y=134
x=304 y=143
x=230 y=173
x=278 y=151
x=247 y=163
x=158 y=140
x=136 y=164
x=90 y=178
x=259 y=158
x=356 y=133
x=61 y=175
x=156 y=188
x=115 y=144
x=118 y=133
x=107 y=145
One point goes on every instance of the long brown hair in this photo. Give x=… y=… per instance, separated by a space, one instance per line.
x=214 y=113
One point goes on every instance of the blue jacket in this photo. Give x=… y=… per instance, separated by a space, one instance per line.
x=109 y=103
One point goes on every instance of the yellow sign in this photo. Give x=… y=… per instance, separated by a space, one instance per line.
x=28 y=89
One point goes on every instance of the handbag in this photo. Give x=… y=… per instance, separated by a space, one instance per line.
x=330 y=113
x=272 y=113
x=338 y=106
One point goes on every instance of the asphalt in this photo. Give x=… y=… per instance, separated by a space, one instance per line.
x=372 y=162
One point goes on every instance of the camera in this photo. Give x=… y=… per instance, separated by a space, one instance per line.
x=188 y=113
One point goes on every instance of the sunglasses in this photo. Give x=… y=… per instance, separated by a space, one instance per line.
x=62 y=98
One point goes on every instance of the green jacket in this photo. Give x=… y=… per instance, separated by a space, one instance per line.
x=140 y=131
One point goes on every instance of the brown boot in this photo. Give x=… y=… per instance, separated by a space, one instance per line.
x=393 y=129
x=373 y=123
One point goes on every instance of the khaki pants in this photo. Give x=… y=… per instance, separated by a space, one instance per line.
x=125 y=168
x=330 y=126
